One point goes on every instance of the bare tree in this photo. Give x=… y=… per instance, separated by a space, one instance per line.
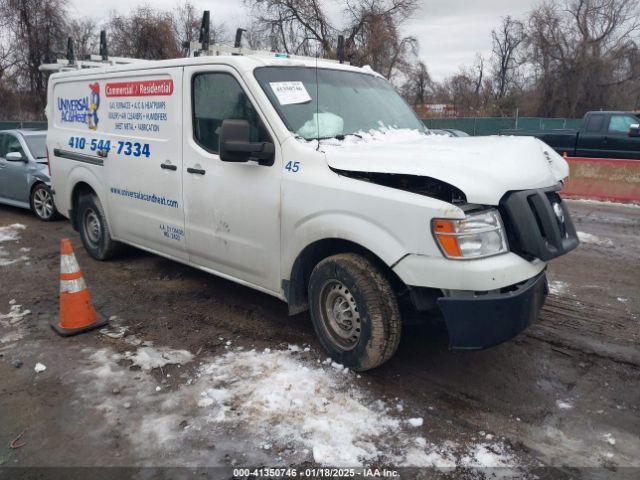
x=417 y=85
x=85 y=36
x=187 y=20
x=144 y=33
x=36 y=32
x=507 y=41
x=583 y=54
x=372 y=32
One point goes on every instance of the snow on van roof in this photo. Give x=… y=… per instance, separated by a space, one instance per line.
x=242 y=63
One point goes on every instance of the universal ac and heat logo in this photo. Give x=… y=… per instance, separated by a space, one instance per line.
x=83 y=109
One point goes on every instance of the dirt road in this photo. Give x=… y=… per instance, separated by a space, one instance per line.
x=197 y=371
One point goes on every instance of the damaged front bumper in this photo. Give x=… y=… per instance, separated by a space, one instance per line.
x=477 y=320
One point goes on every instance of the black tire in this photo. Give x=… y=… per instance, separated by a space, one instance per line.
x=347 y=292
x=42 y=205
x=94 y=229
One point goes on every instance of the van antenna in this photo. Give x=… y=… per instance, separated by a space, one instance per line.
x=71 y=57
x=104 y=51
x=205 y=31
x=238 y=42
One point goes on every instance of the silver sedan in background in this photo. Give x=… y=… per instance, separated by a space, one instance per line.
x=24 y=172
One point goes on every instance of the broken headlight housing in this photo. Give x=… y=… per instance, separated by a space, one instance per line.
x=481 y=234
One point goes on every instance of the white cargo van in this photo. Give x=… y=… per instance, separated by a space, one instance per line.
x=314 y=182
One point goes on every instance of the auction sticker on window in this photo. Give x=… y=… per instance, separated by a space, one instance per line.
x=290 y=93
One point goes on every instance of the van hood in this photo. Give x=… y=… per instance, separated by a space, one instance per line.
x=484 y=168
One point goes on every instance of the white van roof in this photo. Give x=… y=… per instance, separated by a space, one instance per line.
x=242 y=63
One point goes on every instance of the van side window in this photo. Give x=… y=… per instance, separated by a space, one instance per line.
x=621 y=123
x=594 y=123
x=217 y=97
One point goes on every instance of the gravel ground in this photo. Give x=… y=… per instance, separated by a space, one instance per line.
x=195 y=371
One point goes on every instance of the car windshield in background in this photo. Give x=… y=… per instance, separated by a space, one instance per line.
x=325 y=103
x=37 y=145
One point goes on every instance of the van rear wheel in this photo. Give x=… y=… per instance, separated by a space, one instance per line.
x=94 y=230
x=354 y=311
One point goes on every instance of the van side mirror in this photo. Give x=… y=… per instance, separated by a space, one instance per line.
x=235 y=144
x=14 y=157
x=634 y=130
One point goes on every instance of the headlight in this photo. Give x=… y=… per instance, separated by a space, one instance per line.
x=480 y=234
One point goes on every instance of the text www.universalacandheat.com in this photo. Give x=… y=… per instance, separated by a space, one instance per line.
x=145 y=197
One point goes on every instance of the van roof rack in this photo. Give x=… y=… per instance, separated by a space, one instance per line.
x=203 y=48
x=195 y=49
x=94 y=61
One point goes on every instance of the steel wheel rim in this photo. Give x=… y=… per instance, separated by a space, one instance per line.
x=340 y=316
x=43 y=203
x=92 y=226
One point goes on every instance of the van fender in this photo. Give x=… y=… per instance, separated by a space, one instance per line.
x=81 y=174
x=326 y=234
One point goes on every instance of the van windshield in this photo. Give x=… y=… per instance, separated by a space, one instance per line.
x=325 y=103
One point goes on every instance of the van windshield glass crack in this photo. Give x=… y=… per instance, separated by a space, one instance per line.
x=350 y=102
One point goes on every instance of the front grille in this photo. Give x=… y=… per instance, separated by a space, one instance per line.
x=538 y=223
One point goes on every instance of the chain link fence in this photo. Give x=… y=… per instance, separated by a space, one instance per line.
x=472 y=125
x=9 y=125
x=493 y=125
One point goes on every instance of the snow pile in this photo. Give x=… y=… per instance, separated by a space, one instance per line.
x=148 y=358
x=10 y=233
x=13 y=322
x=270 y=406
x=557 y=287
x=562 y=405
x=487 y=455
x=381 y=135
x=285 y=400
x=594 y=240
x=288 y=401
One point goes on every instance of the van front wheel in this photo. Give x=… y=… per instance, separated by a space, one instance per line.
x=94 y=230
x=354 y=311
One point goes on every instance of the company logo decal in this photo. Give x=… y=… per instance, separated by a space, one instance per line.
x=92 y=118
x=146 y=88
x=82 y=109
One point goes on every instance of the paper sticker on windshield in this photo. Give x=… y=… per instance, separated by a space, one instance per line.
x=290 y=93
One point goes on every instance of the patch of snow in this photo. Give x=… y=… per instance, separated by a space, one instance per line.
x=13 y=323
x=622 y=299
x=270 y=397
x=148 y=358
x=562 y=405
x=381 y=135
x=557 y=287
x=40 y=367
x=594 y=239
x=487 y=456
x=114 y=331
x=415 y=422
x=10 y=233
x=609 y=438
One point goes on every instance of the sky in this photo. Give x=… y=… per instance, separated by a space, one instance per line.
x=450 y=32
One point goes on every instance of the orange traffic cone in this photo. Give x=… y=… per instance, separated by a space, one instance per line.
x=77 y=314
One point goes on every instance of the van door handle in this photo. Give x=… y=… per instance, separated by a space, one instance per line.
x=197 y=171
x=168 y=166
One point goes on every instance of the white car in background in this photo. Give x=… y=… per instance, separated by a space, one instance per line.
x=24 y=172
